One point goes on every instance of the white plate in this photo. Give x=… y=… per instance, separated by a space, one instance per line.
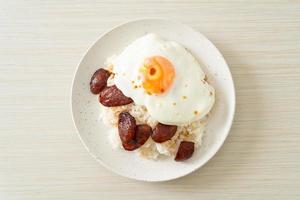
x=94 y=134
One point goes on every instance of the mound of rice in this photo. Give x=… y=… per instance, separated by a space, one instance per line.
x=151 y=150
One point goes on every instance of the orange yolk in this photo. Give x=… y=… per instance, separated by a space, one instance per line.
x=158 y=74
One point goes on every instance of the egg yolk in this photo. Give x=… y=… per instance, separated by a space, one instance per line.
x=158 y=74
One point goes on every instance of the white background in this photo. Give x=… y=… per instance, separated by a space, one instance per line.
x=41 y=44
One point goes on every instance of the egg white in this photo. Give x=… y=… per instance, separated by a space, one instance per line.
x=188 y=99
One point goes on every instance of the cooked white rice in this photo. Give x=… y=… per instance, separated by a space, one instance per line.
x=151 y=150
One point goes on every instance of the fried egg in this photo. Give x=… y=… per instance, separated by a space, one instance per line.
x=165 y=78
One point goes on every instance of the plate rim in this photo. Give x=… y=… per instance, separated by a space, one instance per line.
x=209 y=157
